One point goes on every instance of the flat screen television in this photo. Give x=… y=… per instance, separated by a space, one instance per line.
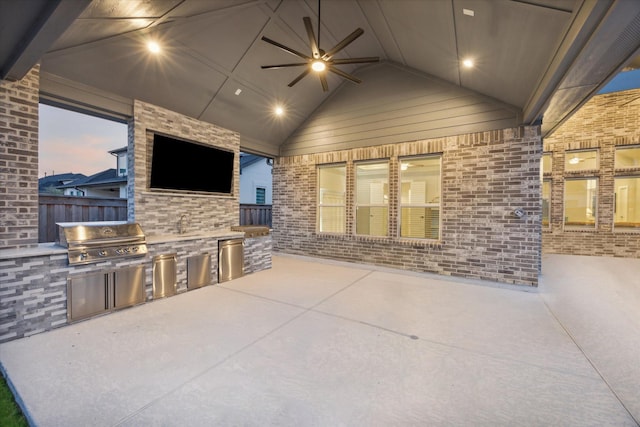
x=181 y=165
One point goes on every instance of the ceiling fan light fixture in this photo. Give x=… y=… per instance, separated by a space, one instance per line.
x=279 y=110
x=318 y=66
x=468 y=63
x=320 y=60
x=153 y=47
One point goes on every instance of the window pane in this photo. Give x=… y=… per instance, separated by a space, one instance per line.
x=546 y=201
x=580 y=201
x=581 y=160
x=332 y=185
x=331 y=199
x=332 y=219
x=372 y=198
x=546 y=163
x=420 y=223
x=627 y=157
x=420 y=180
x=420 y=197
x=372 y=183
x=627 y=207
x=372 y=220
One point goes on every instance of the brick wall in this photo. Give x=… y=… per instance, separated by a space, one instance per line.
x=604 y=123
x=158 y=212
x=19 y=161
x=485 y=176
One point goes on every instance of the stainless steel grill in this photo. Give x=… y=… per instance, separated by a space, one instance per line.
x=97 y=241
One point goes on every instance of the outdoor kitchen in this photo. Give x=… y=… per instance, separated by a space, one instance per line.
x=173 y=241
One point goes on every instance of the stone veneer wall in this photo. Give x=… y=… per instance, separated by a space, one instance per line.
x=257 y=254
x=604 y=123
x=19 y=161
x=485 y=176
x=160 y=212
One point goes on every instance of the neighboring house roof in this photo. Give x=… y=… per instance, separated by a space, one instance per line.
x=109 y=176
x=56 y=181
x=118 y=150
x=249 y=159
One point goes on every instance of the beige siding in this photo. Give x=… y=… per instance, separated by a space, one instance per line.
x=396 y=105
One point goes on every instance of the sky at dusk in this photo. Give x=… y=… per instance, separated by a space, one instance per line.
x=78 y=143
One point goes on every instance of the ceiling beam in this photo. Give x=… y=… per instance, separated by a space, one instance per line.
x=37 y=29
x=585 y=21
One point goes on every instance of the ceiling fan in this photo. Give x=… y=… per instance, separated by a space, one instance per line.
x=321 y=61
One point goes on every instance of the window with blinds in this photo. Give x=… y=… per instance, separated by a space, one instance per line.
x=372 y=198
x=420 y=197
x=260 y=196
x=332 y=184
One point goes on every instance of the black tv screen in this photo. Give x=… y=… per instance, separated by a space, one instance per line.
x=181 y=165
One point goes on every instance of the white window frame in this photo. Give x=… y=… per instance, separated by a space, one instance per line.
x=421 y=205
x=319 y=204
x=356 y=205
x=564 y=204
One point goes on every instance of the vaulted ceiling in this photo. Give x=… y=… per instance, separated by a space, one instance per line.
x=542 y=57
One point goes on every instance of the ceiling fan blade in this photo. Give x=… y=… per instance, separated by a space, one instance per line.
x=355 y=60
x=285 y=48
x=344 y=43
x=345 y=75
x=300 y=77
x=312 y=37
x=325 y=85
x=271 y=67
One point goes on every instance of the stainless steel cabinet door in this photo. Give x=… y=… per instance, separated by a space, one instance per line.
x=230 y=259
x=164 y=275
x=86 y=296
x=129 y=286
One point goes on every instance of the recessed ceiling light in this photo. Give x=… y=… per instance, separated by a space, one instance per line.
x=318 y=66
x=238 y=91
x=279 y=111
x=153 y=47
x=468 y=63
x=468 y=12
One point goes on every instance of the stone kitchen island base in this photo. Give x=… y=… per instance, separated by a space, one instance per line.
x=33 y=281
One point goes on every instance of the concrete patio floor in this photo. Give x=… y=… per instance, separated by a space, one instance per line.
x=311 y=343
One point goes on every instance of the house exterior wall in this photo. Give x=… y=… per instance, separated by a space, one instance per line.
x=160 y=212
x=394 y=104
x=256 y=175
x=604 y=123
x=485 y=177
x=19 y=161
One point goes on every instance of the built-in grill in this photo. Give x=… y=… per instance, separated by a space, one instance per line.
x=97 y=241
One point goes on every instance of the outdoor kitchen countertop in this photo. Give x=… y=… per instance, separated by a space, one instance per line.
x=217 y=234
x=51 y=248
x=43 y=249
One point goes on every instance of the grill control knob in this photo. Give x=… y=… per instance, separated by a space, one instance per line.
x=102 y=253
x=119 y=251
x=84 y=256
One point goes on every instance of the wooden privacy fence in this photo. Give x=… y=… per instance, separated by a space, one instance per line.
x=255 y=215
x=53 y=209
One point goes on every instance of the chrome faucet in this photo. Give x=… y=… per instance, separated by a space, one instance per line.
x=183 y=222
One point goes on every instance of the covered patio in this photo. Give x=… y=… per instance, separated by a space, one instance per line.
x=313 y=342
